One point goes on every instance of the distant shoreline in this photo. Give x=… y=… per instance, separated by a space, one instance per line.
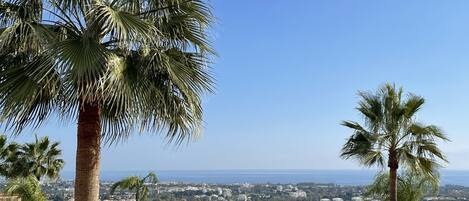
x=339 y=177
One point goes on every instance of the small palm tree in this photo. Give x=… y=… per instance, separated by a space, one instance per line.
x=27 y=188
x=391 y=136
x=137 y=184
x=412 y=186
x=39 y=158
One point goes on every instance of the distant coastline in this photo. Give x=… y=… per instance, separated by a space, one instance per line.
x=340 y=177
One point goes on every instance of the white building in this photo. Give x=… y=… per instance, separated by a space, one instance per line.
x=216 y=198
x=279 y=188
x=357 y=199
x=219 y=191
x=227 y=193
x=298 y=194
x=242 y=197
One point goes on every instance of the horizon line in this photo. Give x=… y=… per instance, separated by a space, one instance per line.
x=242 y=169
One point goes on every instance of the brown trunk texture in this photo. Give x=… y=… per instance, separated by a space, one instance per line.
x=393 y=166
x=88 y=153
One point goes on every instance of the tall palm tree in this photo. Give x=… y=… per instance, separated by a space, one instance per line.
x=40 y=158
x=114 y=66
x=138 y=184
x=27 y=188
x=392 y=136
x=412 y=186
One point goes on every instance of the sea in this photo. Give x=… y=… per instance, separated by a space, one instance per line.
x=340 y=177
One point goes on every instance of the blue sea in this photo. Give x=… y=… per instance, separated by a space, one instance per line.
x=341 y=177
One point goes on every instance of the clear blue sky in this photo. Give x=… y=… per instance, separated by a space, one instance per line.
x=288 y=73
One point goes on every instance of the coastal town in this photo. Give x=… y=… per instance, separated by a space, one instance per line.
x=175 y=191
x=324 y=100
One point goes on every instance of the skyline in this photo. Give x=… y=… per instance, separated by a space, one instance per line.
x=259 y=117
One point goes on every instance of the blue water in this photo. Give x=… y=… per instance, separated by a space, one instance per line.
x=342 y=177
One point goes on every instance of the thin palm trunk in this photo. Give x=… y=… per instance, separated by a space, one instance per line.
x=88 y=153
x=393 y=166
x=393 y=184
x=137 y=197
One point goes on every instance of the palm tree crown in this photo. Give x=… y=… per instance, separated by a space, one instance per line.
x=137 y=184
x=40 y=158
x=392 y=136
x=391 y=130
x=143 y=62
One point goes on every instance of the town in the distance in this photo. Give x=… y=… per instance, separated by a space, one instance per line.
x=176 y=191
x=301 y=97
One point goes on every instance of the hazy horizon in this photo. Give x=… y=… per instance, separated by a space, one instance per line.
x=340 y=177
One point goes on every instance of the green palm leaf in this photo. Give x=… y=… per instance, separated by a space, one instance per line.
x=137 y=184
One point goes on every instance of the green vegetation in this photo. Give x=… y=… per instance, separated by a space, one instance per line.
x=25 y=164
x=28 y=188
x=39 y=158
x=137 y=184
x=7 y=151
x=114 y=66
x=391 y=136
x=411 y=186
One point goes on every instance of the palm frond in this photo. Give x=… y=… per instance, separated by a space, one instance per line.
x=137 y=184
x=413 y=105
x=183 y=23
x=29 y=90
x=117 y=24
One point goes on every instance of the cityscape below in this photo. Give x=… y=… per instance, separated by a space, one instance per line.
x=251 y=185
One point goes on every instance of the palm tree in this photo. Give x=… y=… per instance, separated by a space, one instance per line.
x=40 y=158
x=392 y=136
x=27 y=188
x=138 y=184
x=114 y=66
x=412 y=186
x=7 y=152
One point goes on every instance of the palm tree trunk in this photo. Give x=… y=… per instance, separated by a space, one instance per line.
x=393 y=184
x=137 y=197
x=393 y=166
x=88 y=153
